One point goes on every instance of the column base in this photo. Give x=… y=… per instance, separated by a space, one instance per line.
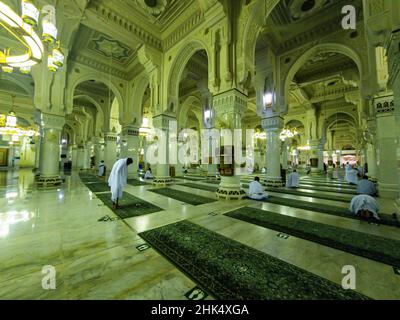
x=397 y=206
x=48 y=181
x=229 y=189
x=387 y=190
x=230 y=193
x=162 y=181
x=273 y=182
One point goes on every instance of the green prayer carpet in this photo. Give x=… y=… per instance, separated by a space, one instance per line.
x=135 y=183
x=98 y=187
x=386 y=219
x=308 y=194
x=331 y=185
x=200 y=187
x=229 y=270
x=183 y=196
x=130 y=206
x=376 y=248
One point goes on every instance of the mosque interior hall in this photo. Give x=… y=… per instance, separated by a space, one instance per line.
x=200 y=150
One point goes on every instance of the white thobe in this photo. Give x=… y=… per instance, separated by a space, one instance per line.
x=256 y=191
x=118 y=179
x=366 y=187
x=293 y=180
x=148 y=175
x=364 y=202
x=351 y=176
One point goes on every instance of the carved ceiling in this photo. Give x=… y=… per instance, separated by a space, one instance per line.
x=293 y=22
x=106 y=50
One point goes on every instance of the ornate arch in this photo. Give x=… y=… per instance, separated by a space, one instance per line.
x=138 y=96
x=348 y=117
x=23 y=85
x=185 y=52
x=75 y=82
x=316 y=49
x=186 y=106
x=100 y=111
x=253 y=18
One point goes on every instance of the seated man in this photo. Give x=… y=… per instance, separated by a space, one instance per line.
x=102 y=169
x=293 y=180
x=256 y=190
x=148 y=174
x=364 y=206
x=366 y=187
x=263 y=170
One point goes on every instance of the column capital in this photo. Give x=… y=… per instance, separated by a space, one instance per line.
x=49 y=121
x=231 y=101
x=162 y=120
x=130 y=130
x=110 y=136
x=383 y=105
x=272 y=123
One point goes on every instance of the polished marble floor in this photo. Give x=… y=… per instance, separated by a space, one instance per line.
x=100 y=260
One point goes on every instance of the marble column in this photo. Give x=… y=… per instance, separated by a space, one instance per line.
x=229 y=107
x=393 y=51
x=338 y=157
x=162 y=122
x=110 y=150
x=49 y=163
x=386 y=147
x=87 y=154
x=320 y=153
x=371 y=161
x=98 y=145
x=285 y=154
x=74 y=155
x=210 y=159
x=273 y=127
x=314 y=156
x=330 y=161
x=131 y=148
x=37 y=152
x=80 y=155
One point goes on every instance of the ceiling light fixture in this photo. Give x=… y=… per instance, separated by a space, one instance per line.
x=23 y=29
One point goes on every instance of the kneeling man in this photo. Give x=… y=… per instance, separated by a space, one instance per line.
x=256 y=190
x=366 y=187
x=365 y=206
x=293 y=180
x=118 y=179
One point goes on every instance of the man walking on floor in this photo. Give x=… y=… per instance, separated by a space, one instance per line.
x=118 y=179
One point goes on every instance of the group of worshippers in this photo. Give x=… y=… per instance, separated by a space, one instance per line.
x=363 y=205
x=256 y=189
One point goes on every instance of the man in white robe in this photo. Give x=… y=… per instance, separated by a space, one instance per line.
x=293 y=180
x=364 y=206
x=102 y=169
x=351 y=176
x=118 y=179
x=256 y=190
